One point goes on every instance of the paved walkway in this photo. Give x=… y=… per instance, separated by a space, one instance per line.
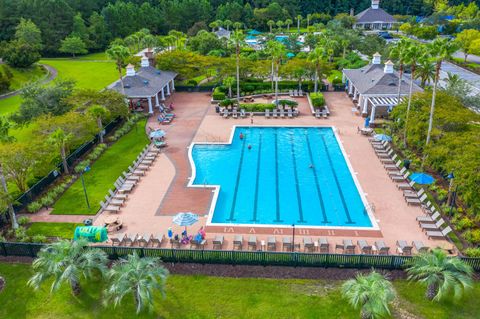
x=52 y=74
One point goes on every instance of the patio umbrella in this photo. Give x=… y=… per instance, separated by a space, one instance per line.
x=290 y=55
x=185 y=219
x=157 y=134
x=382 y=137
x=422 y=178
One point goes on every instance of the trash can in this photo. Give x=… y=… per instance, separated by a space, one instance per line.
x=88 y=222
x=217 y=109
x=406 y=163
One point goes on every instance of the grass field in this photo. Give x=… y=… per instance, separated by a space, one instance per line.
x=27 y=75
x=10 y=105
x=87 y=74
x=216 y=297
x=62 y=230
x=103 y=174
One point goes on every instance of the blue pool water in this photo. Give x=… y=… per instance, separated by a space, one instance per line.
x=291 y=175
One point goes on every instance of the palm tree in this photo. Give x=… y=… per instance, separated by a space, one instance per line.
x=299 y=19
x=270 y=23
x=317 y=57
x=99 y=113
x=288 y=22
x=277 y=50
x=213 y=25
x=227 y=23
x=119 y=54
x=442 y=274
x=309 y=16
x=237 y=25
x=279 y=25
x=5 y=137
x=228 y=82
x=149 y=41
x=399 y=52
x=425 y=70
x=178 y=35
x=60 y=139
x=66 y=262
x=138 y=276
x=372 y=293
x=344 y=43
x=440 y=49
x=414 y=54
x=237 y=38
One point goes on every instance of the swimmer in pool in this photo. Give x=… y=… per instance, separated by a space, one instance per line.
x=241 y=136
x=249 y=147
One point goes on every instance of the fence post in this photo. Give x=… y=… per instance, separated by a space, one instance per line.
x=142 y=253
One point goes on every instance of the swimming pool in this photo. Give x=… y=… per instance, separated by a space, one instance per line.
x=280 y=176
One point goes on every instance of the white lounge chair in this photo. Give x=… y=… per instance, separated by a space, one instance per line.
x=267 y=113
x=109 y=208
x=403 y=248
x=429 y=226
x=439 y=234
x=428 y=219
x=238 y=242
x=365 y=248
x=381 y=248
x=419 y=246
x=324 y=246
x=415 y=201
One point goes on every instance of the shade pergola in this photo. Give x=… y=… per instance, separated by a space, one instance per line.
x=382 y=101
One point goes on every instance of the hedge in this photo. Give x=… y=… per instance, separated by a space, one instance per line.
x=218 y=95
x=318 y=101
x=257 y=107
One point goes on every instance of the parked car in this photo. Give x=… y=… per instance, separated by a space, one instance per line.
x=385 y=35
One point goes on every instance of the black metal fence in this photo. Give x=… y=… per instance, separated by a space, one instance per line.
x=187 y=88
x=230 y=257
x=26 y=198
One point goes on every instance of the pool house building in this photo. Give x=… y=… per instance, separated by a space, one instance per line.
x=374 y=18
x=374 y=88
x=147 y=83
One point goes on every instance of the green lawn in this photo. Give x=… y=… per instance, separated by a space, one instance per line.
x=10 y=105
x=87 y=74
x=62 y=230
x=94 y=56
x=103 y=174
x=216 y=297
x=23 y=76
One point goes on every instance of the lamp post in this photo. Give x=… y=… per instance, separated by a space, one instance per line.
x=85 y=170
x=293 y=239
x=450 y=177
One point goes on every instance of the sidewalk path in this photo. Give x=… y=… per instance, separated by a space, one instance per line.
x=52 y=74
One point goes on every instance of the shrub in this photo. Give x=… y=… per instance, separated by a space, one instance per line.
x=218 y=95
x=318 y=101
x=47 y=200
x=257 y=107
x=34 y=207
x=337 y=81
x=22 y=221
x=228 y=102
x=21 y=233
x=472 y=252
x=287 y=103
x=39 y=239
x=464 y=223
x=472 y=236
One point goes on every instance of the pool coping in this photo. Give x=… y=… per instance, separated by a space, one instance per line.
x=216 y=188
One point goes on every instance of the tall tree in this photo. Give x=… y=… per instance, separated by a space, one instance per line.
x=425 y=71
x=270 y=24
x=60 y=139
x=277 y=52
x=299 y=19
x=288 y=22
x=138 y=276
x=440 y=49
x=119 y=54
x=371 y=293
x=79 y=28
x=238 y=39
x=414 y=54
x=317 y=58
x=73 y=45
x=66 y=262
x=98 y=113
x=465 y=39
x=228 y=82
x=399 y=52
x=5 y=137
x=441 y=273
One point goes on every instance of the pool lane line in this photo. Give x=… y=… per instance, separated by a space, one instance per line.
x=317 y=184
x=255 y=203
x=239 y=171
x=344 y=203
x=297 y=186
x=277 y=191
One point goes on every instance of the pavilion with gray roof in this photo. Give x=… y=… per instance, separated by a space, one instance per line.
x=374 y=88
x=374 y=18
x=146 y=83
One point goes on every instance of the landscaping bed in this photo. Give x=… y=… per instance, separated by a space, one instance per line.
x=60 y=230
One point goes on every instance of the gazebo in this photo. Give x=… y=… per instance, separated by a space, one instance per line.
x=374 y=18
x=374 y=88
x=147 y=83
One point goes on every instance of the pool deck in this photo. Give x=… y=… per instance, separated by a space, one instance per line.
x=163 y=191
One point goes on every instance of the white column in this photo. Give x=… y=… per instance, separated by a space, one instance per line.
x=350 y=88
x=372 y=116
x=168 y=89
x=157 y=102
x=163 y=94
x=365 y=105
x=150 y=107
x=173 y=85
x=360 y=100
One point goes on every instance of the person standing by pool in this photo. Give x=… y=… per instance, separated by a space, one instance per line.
x=170 y=232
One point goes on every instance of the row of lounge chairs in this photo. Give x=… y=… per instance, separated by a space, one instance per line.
x=137 y=240
x=398 y=174
x=280 y=113
x=125 y=183
x=321 y=114
x=293 y=93
x=165 y=118
x=234 y=113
